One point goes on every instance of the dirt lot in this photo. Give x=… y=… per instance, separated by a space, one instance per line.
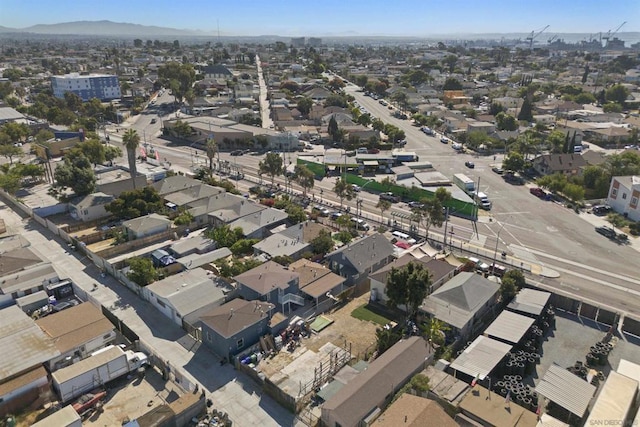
x=99 y=246
x=345 y=329
x=126 y=399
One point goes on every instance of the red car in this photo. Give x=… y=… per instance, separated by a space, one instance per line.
x=538 y=192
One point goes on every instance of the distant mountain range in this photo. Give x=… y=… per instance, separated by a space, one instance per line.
x=121 y=30
x=102 y=28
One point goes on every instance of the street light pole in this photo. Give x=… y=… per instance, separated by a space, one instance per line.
x=495 y=252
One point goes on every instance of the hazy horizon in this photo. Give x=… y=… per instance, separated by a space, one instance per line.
x=335 y=18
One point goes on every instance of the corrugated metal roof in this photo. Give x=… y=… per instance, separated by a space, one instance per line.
x=481 y=357
x=509 y=327
x=530 y=301
x=566 y=389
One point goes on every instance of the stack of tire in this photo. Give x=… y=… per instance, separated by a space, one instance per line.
x=519 y=392
x=520 y=363
x=599 y=354
x=578 y=369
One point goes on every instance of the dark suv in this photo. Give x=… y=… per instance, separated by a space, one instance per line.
x=390 y=197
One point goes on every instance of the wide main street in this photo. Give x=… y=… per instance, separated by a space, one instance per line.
x=538 y=232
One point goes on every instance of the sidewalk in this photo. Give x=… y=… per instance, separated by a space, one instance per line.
x=599 y=221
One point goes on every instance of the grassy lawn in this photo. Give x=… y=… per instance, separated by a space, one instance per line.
x=363 y=313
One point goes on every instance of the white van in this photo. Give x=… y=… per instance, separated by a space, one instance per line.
x=403 y=236
x=362 y=150
x=483 y=200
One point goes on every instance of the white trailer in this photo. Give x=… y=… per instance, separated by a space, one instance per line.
x=615 y=401
x=95 y=371
x=465 y=183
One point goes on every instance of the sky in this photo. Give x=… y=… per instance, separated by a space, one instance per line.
x=337 y=17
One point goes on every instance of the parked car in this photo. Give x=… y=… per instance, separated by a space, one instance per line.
x=336 y=215
x=444 y=140
x=154 y=121
x=236 y=153
x=322 y=211
x=356 y=188
x=415 y=205
x=538 y=192
x=469 y=164
x=512 y=178
x=360 y=224
x=64 y=305
x=498 y=170
x=601 y=209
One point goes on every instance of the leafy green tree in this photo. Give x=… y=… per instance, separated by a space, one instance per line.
x=93 y=150
x=10 y=151
x=290 y=86
x=211 y=149
x=44 y=135
x=323 y=243
x=408 y=286
x=76 y=173
x=131 y=140
x=451 y=83
x=495 y=108
x=304 y=177
x=556 y=140
x=142 y=271
x=612 y=107
x=361 y=80
x=383 y=205
x=17 y=131
x=272 y=165
x=136 y=203
x=332 y=129
x=343 y=190
x=514 y=161
x=506 y=122
x=184 y=218
x=304 y=106
x=336 y=84
x=224 y=236
x=617 y=93
x=296 y=213
x=283 y=260
x=336 y=100
x=555 y=182
x=573 y=192
x=526 y=112
x=402 y=99
x=179 y=77
x=111 y=152
x=243 y=247
x=386 y=338
x=10 y=182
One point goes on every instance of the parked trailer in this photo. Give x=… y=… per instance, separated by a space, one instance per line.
x=615 y=401
x=465 y=183
x=95 y=371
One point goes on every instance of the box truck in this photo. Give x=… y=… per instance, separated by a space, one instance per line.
x=96 y=371
x=465 y=183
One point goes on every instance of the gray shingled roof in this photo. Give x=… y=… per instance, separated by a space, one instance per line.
x=266 y=277
x=365 y=252
x=236 y=315
x=146 y=222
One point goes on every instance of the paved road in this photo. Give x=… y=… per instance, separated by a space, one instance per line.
x=265 y=108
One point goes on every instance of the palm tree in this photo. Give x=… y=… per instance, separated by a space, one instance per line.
x=131 y=140
x=383 y=205
x=211 y=152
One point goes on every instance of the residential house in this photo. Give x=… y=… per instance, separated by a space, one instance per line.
x=566 y=163
x=318 y=94
x=455 y=97
x=594 y=158
x=257 y=225
x=204 y=260
x=362 y=399
x=90 y=207
x=270 y=282
x=191 y=194
x=186 y=296
x=76 y=333
x=623 y=196
x=147 y=225
x=478 y=126
x=611 y=134
x=361 y=132
x=25 y=348
x=8 y=114
x=192 y=245
x=200 y=209
x=439 y=271
x=509 y=102
x=356 y=260
x=235 y=326
x=462 y=302
x=216 y=71
x=316 y=281
x=174 y=183
x=292 y=242
x=414 y=411
x=229 y=214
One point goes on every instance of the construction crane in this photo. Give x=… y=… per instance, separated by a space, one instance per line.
x=534 y=35
x=611 y=34
x=552 y=39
